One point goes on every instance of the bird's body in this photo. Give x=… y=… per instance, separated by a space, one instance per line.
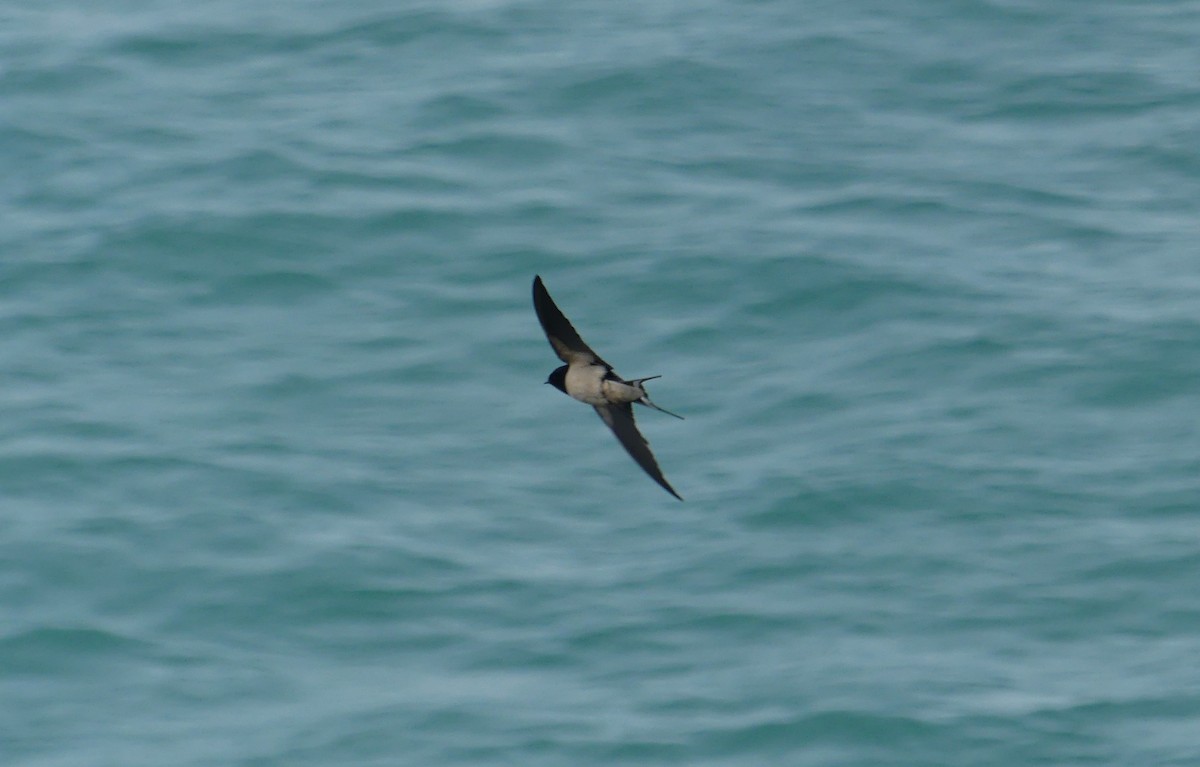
x=589 y=379
x=598 y=386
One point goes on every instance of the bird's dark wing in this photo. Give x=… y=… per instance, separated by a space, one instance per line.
x=620 y=419
x=566 y=342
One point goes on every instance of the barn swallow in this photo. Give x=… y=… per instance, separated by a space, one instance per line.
x=590 y=379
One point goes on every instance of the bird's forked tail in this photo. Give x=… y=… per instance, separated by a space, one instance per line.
x=645 y=398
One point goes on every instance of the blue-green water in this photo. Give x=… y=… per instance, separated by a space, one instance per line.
x=280 y=483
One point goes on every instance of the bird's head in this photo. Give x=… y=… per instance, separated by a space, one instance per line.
x=559 y=379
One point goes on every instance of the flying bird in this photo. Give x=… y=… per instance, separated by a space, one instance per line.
x=590 y=379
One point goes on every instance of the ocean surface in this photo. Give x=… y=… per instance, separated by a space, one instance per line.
x=280 y=483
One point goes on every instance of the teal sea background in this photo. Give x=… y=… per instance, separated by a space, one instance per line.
x=280 y=483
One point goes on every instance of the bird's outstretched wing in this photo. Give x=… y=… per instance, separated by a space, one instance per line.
x=562 y=335
x=620 y=419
